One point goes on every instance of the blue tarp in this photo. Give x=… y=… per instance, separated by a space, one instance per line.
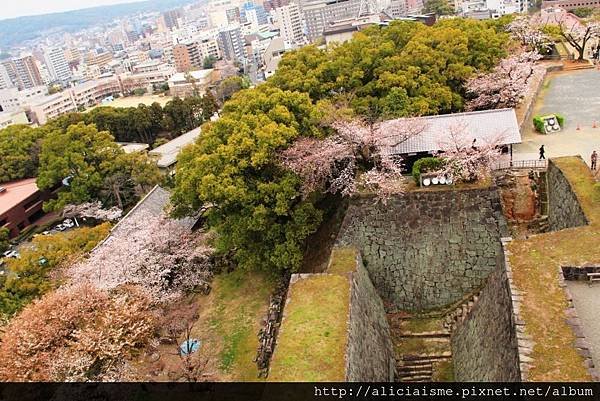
x=189 y=346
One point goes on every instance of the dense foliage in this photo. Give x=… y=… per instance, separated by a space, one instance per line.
x=20 y=145
x=234 y=172
x=94 y=167
x=425 y=164
x=405 y=69
x=28 y=276
x=19 y=152
x=4 y=236
x=252 y=202
x=147 y=123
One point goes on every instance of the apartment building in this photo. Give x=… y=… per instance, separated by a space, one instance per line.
x=23 y=72
x=13 y=117
x=51 y=106
x=319 y=13
x=192 y=82
x=57 y=64
x=288 y=19
x=231 y=43
x=5 y=81
x=130 y=82
x=13 y=99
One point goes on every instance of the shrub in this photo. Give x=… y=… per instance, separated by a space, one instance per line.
x=4 y=244
x=538 y=122
x=425 y=164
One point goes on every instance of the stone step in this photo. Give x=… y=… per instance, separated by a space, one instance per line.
x=426 y=357
x=420 y=378
x=416 y=362
x=426 y=334
x=413 y=372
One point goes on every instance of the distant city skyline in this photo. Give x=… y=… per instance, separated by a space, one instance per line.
x=38 y=7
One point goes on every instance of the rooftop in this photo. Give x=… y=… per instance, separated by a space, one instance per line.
x=180 y=77
x=130 y=147
x=481 y=125
x=168 y=152
x=15 y=193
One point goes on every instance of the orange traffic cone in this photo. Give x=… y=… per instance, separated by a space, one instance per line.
x=578 y=127
x=594 y=124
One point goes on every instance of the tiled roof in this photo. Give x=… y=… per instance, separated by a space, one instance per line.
x=168 y=152
x=481 y=125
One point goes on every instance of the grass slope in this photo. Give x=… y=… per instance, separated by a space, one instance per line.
x=312 y=341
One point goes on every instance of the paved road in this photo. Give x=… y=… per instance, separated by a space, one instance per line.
x=587 y=303
x=576 y=95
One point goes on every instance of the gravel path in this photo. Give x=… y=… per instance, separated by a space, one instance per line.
x=587 y=303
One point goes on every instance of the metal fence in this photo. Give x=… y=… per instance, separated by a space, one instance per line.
x=521 y=164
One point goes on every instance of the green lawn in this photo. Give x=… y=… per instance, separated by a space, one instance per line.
x=240 y=302
x=312 y=341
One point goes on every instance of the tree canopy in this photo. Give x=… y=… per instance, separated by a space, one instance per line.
x=94 y=168
x=252 y=202
x=404 y=69
x=19 y=152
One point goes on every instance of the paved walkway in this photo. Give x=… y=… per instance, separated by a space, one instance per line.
x=587 y=303
x=575 y=95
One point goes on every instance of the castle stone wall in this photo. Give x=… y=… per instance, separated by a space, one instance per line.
x=427 y=249
x=564 y=210
x=370 y=353
x=484 y=345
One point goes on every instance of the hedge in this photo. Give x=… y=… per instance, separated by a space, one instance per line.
x=538 y=122
x=425 y=164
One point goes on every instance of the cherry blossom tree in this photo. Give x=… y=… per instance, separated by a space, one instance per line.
x=466 y=160
x=578 y=34
x=92 y=210
x=506 y=85
x=157 y=254
x=528 y=31
x=76 y=333
x=356 y=155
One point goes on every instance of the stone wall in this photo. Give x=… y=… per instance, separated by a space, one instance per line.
x=564 y=210
x=370 y=353
x=427 y=249
x=484 y=344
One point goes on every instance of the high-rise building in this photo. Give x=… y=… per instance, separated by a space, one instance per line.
x=170 y=19
x=319 y=13
x=190 y=55
x=187 y=56
x=289 y=21
x=23 y=72
x=5 y=81
x=231 y=43
x=57 y=64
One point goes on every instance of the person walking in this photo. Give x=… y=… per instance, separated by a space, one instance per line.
x=542 y=153
x=594 y=159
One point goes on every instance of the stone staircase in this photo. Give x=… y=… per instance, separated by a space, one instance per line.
x=419 y=368
x=422 y=343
